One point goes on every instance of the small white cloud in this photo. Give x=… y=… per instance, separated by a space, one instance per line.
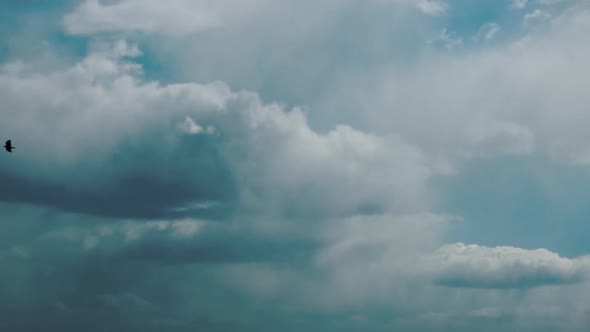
x=549 y=2
x=535 y=17
x=189 y=126
x=488 y=31
x=186 y=228
x=431 y=7
x=202 y=205
x=135 y=231
x=519 y=4
x=91 y=242
x=448 y=40
x=501 y=139
x=428 y=7
x=488 y=312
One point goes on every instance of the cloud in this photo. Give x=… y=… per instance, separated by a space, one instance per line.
x=459 y=265
x=502 y=139
x=331 y=37
x=154 y=274
x=176 y=16
x=488 y=31
x=447 y=103
x=537 y=16
x=171 y=242
x=431 y=7
x=160 y=273
x=519 y=3
x=96 y=112
x=364 y=258
x=550 y=2
x=499 y=90
x=191 y=127
x=100 y=112
x=448 y=40
x=185 y=17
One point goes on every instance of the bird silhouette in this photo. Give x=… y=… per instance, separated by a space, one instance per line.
x=8 y=146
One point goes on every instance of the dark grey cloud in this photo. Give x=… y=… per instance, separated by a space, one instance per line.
x=140 y=182
x=131 y=276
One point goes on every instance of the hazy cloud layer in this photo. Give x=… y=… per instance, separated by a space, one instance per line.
x=186 y=17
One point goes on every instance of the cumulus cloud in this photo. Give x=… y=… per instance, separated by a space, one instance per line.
x=459 y=265
x=100 y=111
x=89 y=112
x=463 y=88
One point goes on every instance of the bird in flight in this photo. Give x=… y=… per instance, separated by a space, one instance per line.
x=8 y=146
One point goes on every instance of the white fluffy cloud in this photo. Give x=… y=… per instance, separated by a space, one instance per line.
x=278 y=161
x=459 y=265
x=492 y=91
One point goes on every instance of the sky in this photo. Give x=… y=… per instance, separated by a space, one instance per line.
x=261 y=165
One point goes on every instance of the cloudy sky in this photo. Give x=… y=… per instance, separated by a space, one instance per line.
x=295 y=165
